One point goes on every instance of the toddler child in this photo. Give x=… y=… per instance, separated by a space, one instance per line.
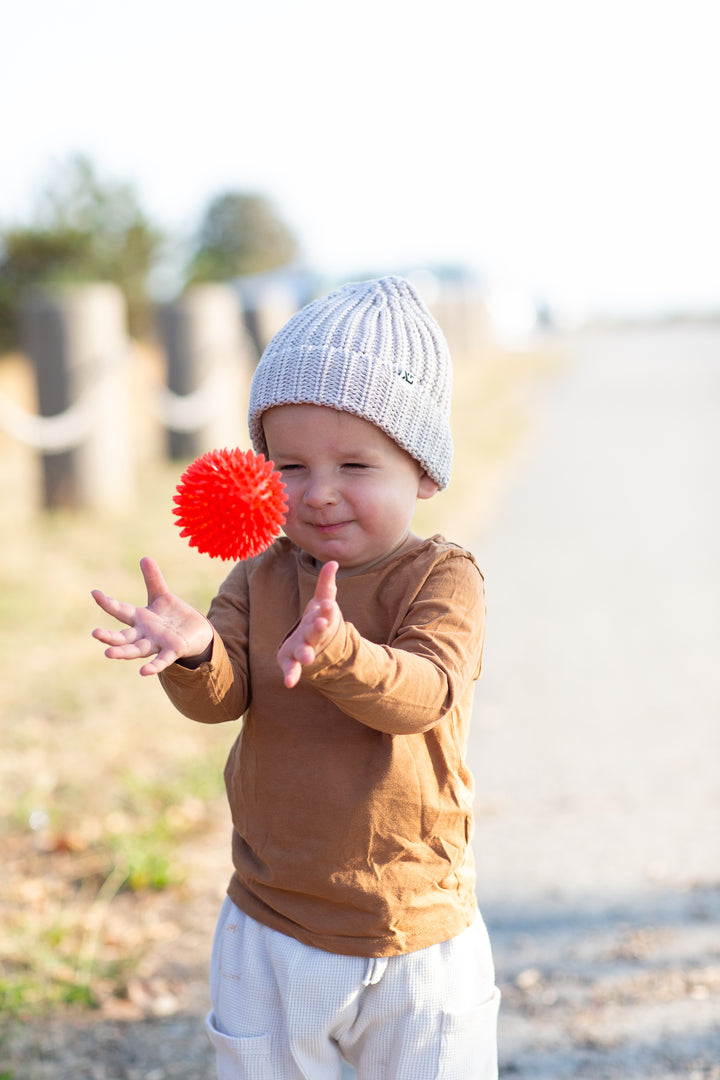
x=349 y=649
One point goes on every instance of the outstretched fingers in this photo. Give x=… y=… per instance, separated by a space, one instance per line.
x=326 y=588
x=314 y=630
x=163 y=660
x=136 y=641
x=117 y=608
x=154 y=581
x=167 y=629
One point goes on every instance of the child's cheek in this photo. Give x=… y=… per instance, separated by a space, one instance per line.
x=294 y=497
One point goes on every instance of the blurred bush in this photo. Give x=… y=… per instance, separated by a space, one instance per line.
x=240 y=234
x=84 y=229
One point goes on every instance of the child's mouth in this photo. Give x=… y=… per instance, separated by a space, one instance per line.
x=329 y=528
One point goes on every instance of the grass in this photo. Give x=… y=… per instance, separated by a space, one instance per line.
x=66 y=869
x=102 y=784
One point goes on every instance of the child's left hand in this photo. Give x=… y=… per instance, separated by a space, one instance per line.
x=319 y=623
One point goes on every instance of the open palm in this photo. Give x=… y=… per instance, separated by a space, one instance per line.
x=168 y=628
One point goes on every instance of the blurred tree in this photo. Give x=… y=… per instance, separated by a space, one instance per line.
x=240 y=234
x=84 y=229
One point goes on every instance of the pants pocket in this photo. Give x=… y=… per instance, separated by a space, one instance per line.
x=468 y=1048
x=240 y=1059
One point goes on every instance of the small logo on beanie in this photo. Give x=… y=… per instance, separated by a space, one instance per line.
x=406 y=376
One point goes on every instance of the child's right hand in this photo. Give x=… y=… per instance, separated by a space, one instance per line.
x=317 y=626
x=168 y=628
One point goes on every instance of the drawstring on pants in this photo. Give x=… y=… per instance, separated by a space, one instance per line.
x=375 y=970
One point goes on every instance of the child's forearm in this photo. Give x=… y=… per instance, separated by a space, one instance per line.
x=206 y=688
x=395 y=690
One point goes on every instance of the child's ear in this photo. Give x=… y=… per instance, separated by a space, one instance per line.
x=427 y=487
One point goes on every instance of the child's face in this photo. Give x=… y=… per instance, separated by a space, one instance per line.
x=351 y=489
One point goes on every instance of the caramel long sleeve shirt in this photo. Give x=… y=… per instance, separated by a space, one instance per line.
x=351 y=801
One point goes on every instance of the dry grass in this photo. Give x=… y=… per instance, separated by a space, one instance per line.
x=101 y=783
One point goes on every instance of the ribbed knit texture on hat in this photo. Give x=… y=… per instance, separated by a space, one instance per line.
x=370 y=348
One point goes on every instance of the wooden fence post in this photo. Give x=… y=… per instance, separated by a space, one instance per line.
x=209 y=366
x=76 y=341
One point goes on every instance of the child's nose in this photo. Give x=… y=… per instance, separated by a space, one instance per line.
x=320 y=491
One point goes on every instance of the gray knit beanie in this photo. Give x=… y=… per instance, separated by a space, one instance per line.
x=370 y=348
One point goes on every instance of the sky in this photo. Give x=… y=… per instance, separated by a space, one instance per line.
x=565 y=149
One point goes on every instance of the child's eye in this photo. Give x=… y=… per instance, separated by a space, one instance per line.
x=289 y=468
x=355 y=465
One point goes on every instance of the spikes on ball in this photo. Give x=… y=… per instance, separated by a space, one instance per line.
x=230 y=504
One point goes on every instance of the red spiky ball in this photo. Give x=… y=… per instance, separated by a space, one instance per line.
x=230 y=504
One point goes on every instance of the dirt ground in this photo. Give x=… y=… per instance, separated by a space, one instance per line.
x=595 y=751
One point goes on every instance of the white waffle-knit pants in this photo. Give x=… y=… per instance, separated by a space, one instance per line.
x=282 y=1010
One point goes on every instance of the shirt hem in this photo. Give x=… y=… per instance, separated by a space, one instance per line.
x=395 y=944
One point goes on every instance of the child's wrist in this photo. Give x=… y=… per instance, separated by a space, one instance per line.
x=193 y=662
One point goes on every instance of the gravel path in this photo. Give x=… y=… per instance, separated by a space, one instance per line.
x=596 y=744
x=595 y=749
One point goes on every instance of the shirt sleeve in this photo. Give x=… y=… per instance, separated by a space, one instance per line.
x=218 y=690
x=409 y=685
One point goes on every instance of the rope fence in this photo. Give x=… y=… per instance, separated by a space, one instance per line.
x=48 y=434
x=77 y=344
x=78 y=348
x=186 y=413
